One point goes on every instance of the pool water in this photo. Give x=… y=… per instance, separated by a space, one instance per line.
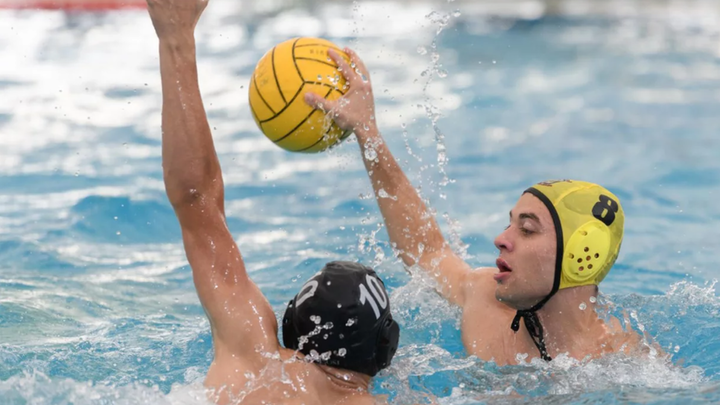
x=97 y=304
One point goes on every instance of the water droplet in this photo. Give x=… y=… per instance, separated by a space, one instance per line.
x=370 y=154
x=677 y=349
x=329 y=282
x=350 y=322
x=593 y=300
x=319 y=78
x=315 y=319
x=339 y=306
x=583 y=306
x=421 y=50
x=456 y=13
x=341 y=352
x=442 y=73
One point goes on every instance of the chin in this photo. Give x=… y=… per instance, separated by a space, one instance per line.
x=508 y=298
x=502 y=295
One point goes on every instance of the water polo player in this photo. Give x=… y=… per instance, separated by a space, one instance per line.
x=339 y=330
x=562 y=240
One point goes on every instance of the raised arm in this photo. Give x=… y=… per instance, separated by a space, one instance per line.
x=411 y=227
x=240 y=316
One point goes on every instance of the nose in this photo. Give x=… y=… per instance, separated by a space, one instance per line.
x=502 y=241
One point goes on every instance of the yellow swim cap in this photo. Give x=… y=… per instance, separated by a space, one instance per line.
x=589 y=222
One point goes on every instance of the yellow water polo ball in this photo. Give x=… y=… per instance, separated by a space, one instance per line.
x=277 y=89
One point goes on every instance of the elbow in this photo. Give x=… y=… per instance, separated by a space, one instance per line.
x=183 y=196
x=196 y=190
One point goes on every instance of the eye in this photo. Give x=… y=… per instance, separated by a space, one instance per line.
x=527 y=228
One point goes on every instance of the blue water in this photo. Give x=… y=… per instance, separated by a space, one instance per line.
x=97 y=304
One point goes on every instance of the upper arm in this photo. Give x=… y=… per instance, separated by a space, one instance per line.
x=242 y=320
x=450 y=270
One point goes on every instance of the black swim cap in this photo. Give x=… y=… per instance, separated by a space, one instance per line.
x=341 y=318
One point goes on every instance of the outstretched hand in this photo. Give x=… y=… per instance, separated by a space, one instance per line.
x=356 y=109
x=175 y=17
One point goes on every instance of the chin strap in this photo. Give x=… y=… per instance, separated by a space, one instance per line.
x=535 y=329
x=532 y=322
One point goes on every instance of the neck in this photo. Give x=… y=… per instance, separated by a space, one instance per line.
x=347 y=379
x=566 y=324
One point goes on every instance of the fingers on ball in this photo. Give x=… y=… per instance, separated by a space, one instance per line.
x=345 y=69
x=360 y=69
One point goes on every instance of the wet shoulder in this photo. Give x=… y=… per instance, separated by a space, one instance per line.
x=481 y=284
x=629 y=341
x=480 y=299
x=310 y=379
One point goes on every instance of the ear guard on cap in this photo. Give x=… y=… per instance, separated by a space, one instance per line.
x=290 y=337
x=387 y=344
x=586 y=253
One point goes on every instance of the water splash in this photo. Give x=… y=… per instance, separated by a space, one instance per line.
x=37 y=388
x=432 y=112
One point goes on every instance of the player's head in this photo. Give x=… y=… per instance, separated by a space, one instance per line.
x=341 y=318
x=562 y=234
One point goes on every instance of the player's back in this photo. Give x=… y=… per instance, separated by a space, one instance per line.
x=281 y=380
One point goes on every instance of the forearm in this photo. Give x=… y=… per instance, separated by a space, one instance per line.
x=190 y=164
x=410 y=225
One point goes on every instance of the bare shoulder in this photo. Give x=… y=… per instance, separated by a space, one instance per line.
x=627 y=340
x=480 y=286
x=483 y=275
x=484 y=319
x=332 y=394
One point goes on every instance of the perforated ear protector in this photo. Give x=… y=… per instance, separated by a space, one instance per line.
x=586 y=253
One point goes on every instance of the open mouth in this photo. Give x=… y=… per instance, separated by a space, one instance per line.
x=502 y=266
